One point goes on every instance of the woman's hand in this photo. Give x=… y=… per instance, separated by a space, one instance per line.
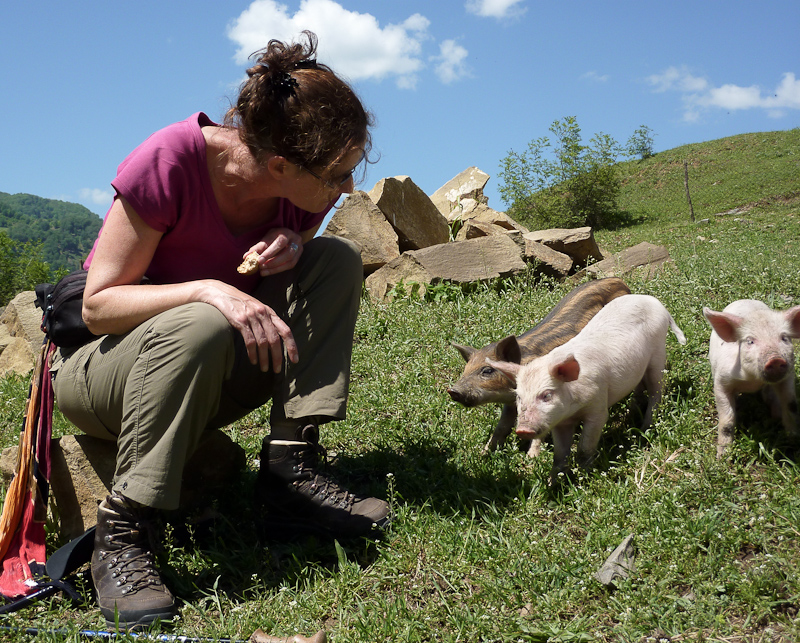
x=279 y=250
x=263 y=331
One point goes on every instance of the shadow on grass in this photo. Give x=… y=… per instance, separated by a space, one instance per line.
x=621 y=219
x=755 y=423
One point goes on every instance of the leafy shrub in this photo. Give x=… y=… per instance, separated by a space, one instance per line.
x=21 y=267
x=578 y=187
x=640 y=144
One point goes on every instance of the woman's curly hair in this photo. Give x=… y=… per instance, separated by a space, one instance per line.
x=292 y=106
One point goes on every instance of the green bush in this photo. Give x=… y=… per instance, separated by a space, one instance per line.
x=21 y=267
x=640 y=144
x=578 y=187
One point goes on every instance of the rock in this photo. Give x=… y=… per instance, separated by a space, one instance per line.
x=82 y=468
x=410 y=212
x=17 y=357
x=619 y=564
x=473 y=229
x=468 y=184
x=458 y=261
x=645 y=256
x=80 y=477
x=24 y=319
x=362 y=222
x=20 y=334
x=578 y=243
x=479 y=220
x=547 y=261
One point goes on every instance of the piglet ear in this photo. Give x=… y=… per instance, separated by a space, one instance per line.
x=792 y=317
x=508 y=370
x=466 y=351
x=724 y=324
x=508 y=350
x=567 y=370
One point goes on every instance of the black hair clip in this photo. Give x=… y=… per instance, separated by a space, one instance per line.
x=282 y=84
x=310 y=63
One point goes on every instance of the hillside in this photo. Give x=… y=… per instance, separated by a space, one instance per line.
x=65 y=230
x=736 y=172
x=482 y=547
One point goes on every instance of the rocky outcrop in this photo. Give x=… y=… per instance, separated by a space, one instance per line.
x=648 y=258
x=82 y=469
x=410 y=212
x=20 y=335
x=458 y=262
x=409 y=238
x=468 y=185
x=361 y=221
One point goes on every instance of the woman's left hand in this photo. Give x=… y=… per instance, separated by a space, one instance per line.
x=278 y=251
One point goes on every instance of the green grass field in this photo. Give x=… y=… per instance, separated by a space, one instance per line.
x=482 y=549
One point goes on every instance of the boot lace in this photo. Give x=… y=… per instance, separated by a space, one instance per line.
x=318 y=485
x=132 y=564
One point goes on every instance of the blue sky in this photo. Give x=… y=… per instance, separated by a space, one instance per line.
x=452 y=83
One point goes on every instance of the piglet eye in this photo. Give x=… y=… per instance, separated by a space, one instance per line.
x=487 y=370
x=546 y=396
x=749 y=341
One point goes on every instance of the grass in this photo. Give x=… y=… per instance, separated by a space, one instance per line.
x=482 y=548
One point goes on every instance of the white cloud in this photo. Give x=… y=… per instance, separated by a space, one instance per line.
x=354 y=44
x=97 y=196
x=595 y=77
x=451 y=67
x=677 y=79
x=495 y=8
x=698 y=94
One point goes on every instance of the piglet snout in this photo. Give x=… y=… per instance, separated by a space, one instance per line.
x=775 y=369
x=456 y=395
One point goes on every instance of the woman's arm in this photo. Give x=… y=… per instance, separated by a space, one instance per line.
x=114 y=302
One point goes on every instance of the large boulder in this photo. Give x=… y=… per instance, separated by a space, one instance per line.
x=459 y=261
x=362 y=222
x=410 y=212
x=644 y=257
x=546 y=260
x=478 y=219
x=21 y=335
x=468 y=184
x=82 y=470
x=578 y=243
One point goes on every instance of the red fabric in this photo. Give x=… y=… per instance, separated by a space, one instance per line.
x=25 y=558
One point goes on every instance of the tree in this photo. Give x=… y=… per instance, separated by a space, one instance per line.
x=575 y=185
x=21 y=268
x=640 y=143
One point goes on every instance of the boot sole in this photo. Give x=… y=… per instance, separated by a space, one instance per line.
x=136 y=622
x=287 y=528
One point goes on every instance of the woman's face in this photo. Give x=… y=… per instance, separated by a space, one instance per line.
x=315 y=189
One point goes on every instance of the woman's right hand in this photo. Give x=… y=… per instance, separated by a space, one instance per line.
x=264 y=332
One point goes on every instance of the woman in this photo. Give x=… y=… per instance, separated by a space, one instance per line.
x=202 y=345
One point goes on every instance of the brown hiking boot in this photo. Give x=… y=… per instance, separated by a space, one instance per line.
x=299 y=497
x=129 y=588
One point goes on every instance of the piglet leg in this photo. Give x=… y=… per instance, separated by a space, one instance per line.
x=726 y=410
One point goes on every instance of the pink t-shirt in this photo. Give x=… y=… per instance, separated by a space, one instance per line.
x=166 y=181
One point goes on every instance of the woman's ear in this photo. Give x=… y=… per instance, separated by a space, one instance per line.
x=279 y=167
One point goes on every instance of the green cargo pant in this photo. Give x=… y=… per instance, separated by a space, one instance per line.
x=157 y=388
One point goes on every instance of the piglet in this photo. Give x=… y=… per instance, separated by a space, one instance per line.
x=481 y=384
x=751 y=350
x=621 y=347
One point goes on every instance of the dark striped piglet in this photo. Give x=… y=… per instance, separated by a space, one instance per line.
x=481 y=383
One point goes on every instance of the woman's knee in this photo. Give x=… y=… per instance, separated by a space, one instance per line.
x=195 y=331
x=340 y=257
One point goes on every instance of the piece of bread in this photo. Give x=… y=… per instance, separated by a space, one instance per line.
x=250 y=264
